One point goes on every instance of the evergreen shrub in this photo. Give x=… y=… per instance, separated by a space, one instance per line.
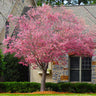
x=28 y=87
x=15 y=71
x=77 y=87
x=21 y=87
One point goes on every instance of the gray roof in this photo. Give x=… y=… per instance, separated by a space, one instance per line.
x=88 y=13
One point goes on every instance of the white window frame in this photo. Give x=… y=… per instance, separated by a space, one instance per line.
x=80 y=68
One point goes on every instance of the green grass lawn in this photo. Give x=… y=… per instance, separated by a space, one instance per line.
x=48 y=94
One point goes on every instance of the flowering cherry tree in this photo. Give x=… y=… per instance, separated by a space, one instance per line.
x=44 y=34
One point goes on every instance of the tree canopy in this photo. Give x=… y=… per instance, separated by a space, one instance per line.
x=44 y=34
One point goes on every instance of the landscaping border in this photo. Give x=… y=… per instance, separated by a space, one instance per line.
x=28 y=87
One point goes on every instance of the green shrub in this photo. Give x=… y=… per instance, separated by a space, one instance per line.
x=21 y=87
x=2 y=87
x=65 y=87
x=83 y=87
x=2 y=64
x=77 y=87
x=51 y=86
x=27 y=87
x=13 y=70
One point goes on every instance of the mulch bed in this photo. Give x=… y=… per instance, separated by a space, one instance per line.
x=43 y=92
x=48 y=92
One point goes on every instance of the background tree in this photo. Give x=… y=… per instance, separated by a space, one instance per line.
x=44 y=34
x=13 y=70
x=2 y=66
x=65 y=2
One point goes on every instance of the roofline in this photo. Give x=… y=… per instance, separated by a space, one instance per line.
x=78 y=5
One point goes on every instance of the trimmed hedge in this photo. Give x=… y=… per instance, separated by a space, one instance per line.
x=77 y=87
x=21 y=87
x=27 y=87
x=51 y=86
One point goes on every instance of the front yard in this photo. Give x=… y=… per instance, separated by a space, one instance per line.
x=73 y=94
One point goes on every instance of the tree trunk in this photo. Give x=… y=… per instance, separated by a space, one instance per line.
x=43 y=81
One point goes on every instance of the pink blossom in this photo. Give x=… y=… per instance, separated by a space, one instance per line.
x=46 y=34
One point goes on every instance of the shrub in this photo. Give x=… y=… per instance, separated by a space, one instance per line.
x=27 y=87
x=51 y=86
x=2 y=65
x=13 y=70
x=77 y=87
x=2 y=87
x=83 y=87
x=21 y=87
x=64 y=87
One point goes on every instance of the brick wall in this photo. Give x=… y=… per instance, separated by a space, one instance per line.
x=93 y=78
x=60 y=71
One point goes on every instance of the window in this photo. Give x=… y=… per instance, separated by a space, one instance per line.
x=7 y=29
x=80 y=69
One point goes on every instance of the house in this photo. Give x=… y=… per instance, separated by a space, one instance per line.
x=7 y=7
x=77 y=69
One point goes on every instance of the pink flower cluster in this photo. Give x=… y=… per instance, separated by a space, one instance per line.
x=45 y=34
